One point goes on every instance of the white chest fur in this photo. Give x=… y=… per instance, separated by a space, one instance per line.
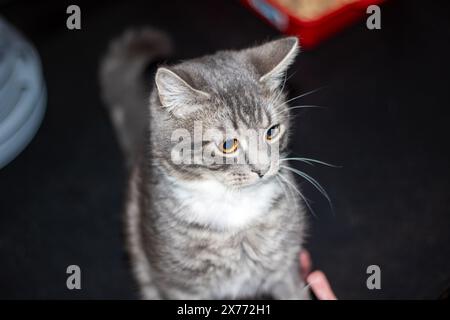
x=211 y=203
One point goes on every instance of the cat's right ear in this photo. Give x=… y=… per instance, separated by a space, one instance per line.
x=272 y=59
x=176 y=94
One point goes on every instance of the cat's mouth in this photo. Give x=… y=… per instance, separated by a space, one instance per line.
x=253 y=179
x=272 y=172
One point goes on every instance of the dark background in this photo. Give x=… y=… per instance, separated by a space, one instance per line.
x=385 y=122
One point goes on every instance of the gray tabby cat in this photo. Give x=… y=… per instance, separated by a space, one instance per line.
x=206 y=231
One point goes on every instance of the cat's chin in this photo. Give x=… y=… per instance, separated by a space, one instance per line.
x=253 y=184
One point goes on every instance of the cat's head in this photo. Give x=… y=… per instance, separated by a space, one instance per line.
x=222 y=117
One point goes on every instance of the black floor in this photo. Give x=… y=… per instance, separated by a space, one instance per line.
x=386 y=124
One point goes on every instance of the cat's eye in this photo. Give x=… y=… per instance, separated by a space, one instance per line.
x=273 y=132
x=229 y=146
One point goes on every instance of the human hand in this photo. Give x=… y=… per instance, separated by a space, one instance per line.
x=317 y=280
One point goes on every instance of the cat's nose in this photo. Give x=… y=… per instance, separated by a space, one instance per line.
x=260 y=172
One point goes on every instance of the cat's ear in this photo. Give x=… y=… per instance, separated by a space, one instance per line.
x=272 y=60
x=176 y=94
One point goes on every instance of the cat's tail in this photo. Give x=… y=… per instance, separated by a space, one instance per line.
x=124 y=88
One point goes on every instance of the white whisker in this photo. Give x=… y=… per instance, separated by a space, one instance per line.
x=313 y=182
x=284 y=189
x=280 y=111
x=300 y=96
x=299 y=193
x=310 y=180
x=311 y=161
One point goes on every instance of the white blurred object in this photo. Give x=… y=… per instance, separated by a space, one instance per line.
x=22 y=93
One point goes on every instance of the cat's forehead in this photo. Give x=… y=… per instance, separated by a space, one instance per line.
x=233 y=117
x=223 y=72
x=238 y=98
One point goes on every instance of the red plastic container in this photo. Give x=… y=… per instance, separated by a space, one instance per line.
x=310 y=32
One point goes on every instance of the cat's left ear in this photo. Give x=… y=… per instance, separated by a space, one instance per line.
x=272 y=60
x=176 y=95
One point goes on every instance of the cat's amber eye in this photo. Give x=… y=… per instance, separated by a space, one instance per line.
x=229 y=146
x=273 y=132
